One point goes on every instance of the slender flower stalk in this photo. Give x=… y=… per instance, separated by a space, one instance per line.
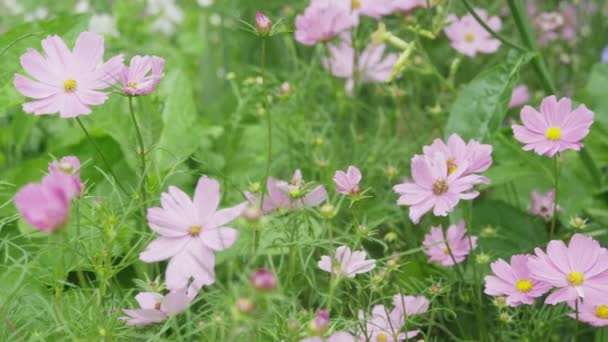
x=142 y=155
x=257 y=232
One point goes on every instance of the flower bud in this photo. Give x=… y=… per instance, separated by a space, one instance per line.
x=263 y=280
x=255 y=187
x=488 y=231
x=245 y=306
x=500 y=302
x=578 y=223
x=252 y=213
x=391 y=237
x=263 y=24
x=482 y=258
x=285 y=89
x=505 y=317
x=320 y=323
x=390 y=172
x=328 y=211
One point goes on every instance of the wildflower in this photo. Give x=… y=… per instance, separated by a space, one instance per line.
x=46 y=206
x=340 y=336
x=104 y=24
x=347 y=264
x=434 y=187
x=372 y=65
x=320 y=323
x=578 y=223
x=67 y=81
x=155 y=308
x=477 y=156
x=142 y=76
x=594 y=312
x=514 y=281
x=436 y=248
x=263 y=280
x=69 y=165
x=263 y=24
x=410 y=305
x=190 y=231
x=579 y=270
x=543 y=204
x=468 y=37
x=322 y=21
x=408 y=5
x=556 y=128
x=384 y=325
x=348 y=183
x=520 y=96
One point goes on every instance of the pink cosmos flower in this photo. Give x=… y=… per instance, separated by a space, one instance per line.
x=322 y=21
x=263 y=280
x=190 y=231
x=142 y=76
x=340 y=336
x=373 y=8
x=579 y=270
x=514 y=281
x=477 y=156
x=346 y=263
x=371 y=66
x=263 y=24
x=155 y=308
x=434 y=187
x=410 y=305
x=320 y=323
x=46 y=206
x=542 y=205
x=67 y=81
x=468 y=37
x=69 y=165
x=520 y=96
x=408 y=5
x=348 y=183
x=593 y=312
x=437 y=250
x=385 y=325
x=556 y=128
x=288 y=195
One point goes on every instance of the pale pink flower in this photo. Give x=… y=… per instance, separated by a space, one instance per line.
x=347 y=183
x=477 y=156
x=190 y=231
x=542 y=204
x=263 y=280
x=263 y=24
x=322 y=21
x=579 y=270
x=155 y=308
x=142 y=76
x=520 y=96
x=340 y=336
x=408 y=5
x=374 y=8
x=372 y=65
x=437 y=249
x=410 y=305
x=288 y=195
x=385 y=325
x=67 y=81
x=556 y=128
x=46 y=206
x=320 y=323
x=470 y=38
x=433 y=187
x=593 y=312
x=514 y=281
x=69 y=165
x=346 y=263
x=568 y=31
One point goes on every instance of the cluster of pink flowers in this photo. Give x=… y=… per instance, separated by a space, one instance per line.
x=346 y=263
x=556 y=25
x=443 y=175
x=467 y=35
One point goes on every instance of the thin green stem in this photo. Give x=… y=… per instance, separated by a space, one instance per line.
x=142 y=155
x=256 y=236
x=577 y=324
x=479 y=299
x=447 y=245
x=103 y=158
x=556 y=180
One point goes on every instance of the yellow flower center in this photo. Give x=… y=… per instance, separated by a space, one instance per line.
x=440 y=187
x=524 y=285
x=132 y=85
x=356 y=4
x=69 y=85
x=65 y=167
x=157 y=306
x=469 y=37
x=446 y=251
x=576 y=278
x=602 y=312
x=381 y=337
x=195 y=230
x=452 y=166
x=553 y=133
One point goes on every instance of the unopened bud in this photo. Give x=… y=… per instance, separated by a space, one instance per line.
x=505 y=317
x=255 y=187
x=328 y=211
x=245 y=306
x=488 y=231
x=390 y=172
x=393 y=263
x=263 y=24
x=285 y=89
x=264 y=280
x=391 y=237
x=500 y=302
x=578 y=223
x=482 y=258
x=320 y=323
x=252 y=213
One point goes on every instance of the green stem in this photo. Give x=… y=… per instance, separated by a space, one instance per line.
x=142 y=154
x=103 y=158
x=577 y=324
x=269 y=151
x=478 y=297
x=447 y=245
x=556 y=179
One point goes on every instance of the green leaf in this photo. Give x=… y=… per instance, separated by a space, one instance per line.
x=481 y=105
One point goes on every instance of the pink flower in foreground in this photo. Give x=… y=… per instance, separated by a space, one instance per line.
x=142 y=76
x=190 y=231
x=384 y=325
x=433 y=187
x=46 y=206
x=437 y=250
x=410 y=305
x=340 y=336
x=289 y=195
x=347 y=183
x=579 y=270
x=542 y=205
x=408 y=5
x=263 y=24
x=372 y=65
x=514 y=281
x=477 y=156
x=69 y=165
x=470 y=38
x=346 y=263
x=155 y=308
x=520 y=96
x=556 y=128
x=322 y=21
x=67 y=81
x=594 y=312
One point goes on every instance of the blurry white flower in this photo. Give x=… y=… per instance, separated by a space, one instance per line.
x=168 y=15
x=82 y=6
x=205 y=3
x=103 y=24
x=39 y=13
x=215 y=19
x=11 y=6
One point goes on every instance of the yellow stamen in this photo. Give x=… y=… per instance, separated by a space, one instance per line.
x=440 y=187
x=524 y=285
x=195 y=230
x=469 y=37
x=157 y=306
x=602 y=312
x=446 y=251
x=452 y=166
x=356 y=4
x=381 y=337
x=69 y=85
x=65 y=167
x=132 y=85
x=553 y=133
x=576 y=278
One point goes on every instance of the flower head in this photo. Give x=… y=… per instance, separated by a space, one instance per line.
x=347 y=183
x=264 y=280
x=263 y=24
x=190 y=231
x=556 y=128
x=346 y=263
x=408 y=5
x=543 y=204
x=520 y=96
x=67 y=81
x=470 y=38
x=579 y=270
x=477 y=156
x=384 y=324
x=593 y=312
x=155 y=308
x=320 y=323
x=142 y=76
x=322 y=21
x=514 y=281
x=459 y=245
x=69 y=165
x=410 y=305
